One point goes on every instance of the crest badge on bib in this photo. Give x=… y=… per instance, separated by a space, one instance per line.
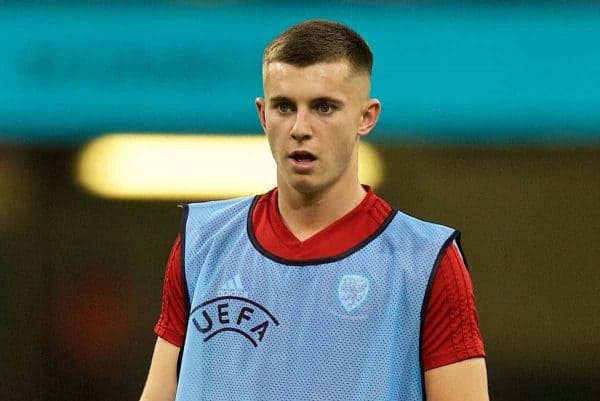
x=352 y=291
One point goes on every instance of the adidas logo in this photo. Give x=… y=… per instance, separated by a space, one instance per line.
x=233 y=287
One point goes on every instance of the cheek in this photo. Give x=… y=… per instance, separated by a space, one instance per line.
x=346 y=140
x=276 y=124
x=345 y=150
x=274 y=143
x=271 y=139
x=340 y=152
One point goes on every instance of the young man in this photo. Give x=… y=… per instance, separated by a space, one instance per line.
x=317 y=290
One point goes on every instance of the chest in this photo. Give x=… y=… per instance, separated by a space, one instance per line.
x=241 y=292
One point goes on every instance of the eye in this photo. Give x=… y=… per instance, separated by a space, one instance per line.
x=284 y=107
x=325 y=108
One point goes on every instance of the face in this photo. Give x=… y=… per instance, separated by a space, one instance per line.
x=314 y=117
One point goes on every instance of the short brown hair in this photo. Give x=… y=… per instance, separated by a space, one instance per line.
x=320 y=41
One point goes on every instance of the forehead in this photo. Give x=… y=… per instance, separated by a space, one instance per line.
x=321 y=79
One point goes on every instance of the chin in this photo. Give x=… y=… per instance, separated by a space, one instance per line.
x=305 y=186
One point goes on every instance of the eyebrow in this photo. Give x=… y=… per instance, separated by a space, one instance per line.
x=278 y=99
x=322 y=99
x=327 y=99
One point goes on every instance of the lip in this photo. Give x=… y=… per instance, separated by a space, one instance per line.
x=302 y=160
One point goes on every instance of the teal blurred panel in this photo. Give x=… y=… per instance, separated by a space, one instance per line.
x=454 y=73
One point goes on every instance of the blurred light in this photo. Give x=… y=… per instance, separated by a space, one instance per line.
x=188 y=167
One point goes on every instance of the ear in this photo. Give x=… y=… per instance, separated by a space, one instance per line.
x=260 y=108
x=369 y=117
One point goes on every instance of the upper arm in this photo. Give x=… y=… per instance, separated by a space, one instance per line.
x=173 y=318
x=451 y=328
x=461 y=381
x=161 y=384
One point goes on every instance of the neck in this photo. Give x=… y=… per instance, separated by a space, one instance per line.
x=305 y=214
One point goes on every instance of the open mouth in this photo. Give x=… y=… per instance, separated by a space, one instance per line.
x=302 y=156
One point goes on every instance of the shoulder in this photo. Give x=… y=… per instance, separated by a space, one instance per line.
x=206 y=219
x=226 y=205
x=416 y=231
x=207 y=212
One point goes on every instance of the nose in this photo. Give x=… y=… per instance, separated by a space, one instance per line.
x=301 y=130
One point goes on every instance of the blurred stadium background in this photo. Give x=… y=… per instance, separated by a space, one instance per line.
x=491 y=123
